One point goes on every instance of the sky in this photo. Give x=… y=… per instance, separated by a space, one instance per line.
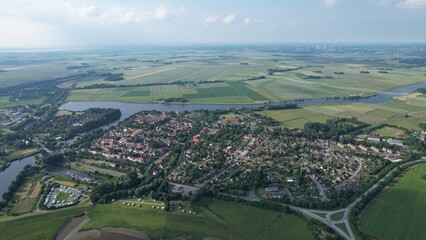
x=74 y=23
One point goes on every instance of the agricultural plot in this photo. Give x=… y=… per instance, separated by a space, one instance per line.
x=398 y=212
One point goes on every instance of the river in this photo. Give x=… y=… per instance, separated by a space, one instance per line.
x=9 y=175
x=128 y=109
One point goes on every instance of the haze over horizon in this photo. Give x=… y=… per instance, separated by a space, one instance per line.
x=77 y=23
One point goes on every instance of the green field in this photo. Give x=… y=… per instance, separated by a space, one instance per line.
x=227 y=220
x=390 y=132
x=221 y=219
x=36 y=226
x=399 y=211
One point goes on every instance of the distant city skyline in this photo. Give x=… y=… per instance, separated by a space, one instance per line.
x=77 y=23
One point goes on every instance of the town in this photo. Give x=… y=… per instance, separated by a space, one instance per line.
x=234 y=153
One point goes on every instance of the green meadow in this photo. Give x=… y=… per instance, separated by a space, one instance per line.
x=216 y=219
x=399 y=211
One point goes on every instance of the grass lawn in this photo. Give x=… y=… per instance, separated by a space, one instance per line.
x=399 y=211
x=337 y=216
x=220 y=219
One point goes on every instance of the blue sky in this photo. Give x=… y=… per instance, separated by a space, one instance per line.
x=58 y=23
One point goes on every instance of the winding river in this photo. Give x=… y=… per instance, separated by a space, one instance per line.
x=128 y=109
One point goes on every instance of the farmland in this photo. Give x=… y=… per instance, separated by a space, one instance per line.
x=229 y=75
x=398 y=212
x=403 y=114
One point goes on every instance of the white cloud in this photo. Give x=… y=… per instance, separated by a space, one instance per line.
x=229 y=19
x=114 y=15
x=211 y=19
x=330 y=3
x=250 y=21
x=412 y=4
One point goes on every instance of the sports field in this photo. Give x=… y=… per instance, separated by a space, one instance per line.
x=399 y=211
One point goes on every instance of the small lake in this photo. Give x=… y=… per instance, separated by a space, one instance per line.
x=128 y=109
x=9 y=175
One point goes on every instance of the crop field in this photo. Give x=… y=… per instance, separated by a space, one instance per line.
x=218 y=219
x=399 y=211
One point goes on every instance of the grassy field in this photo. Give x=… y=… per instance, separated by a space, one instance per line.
x=399 y=211
x=218 y=219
